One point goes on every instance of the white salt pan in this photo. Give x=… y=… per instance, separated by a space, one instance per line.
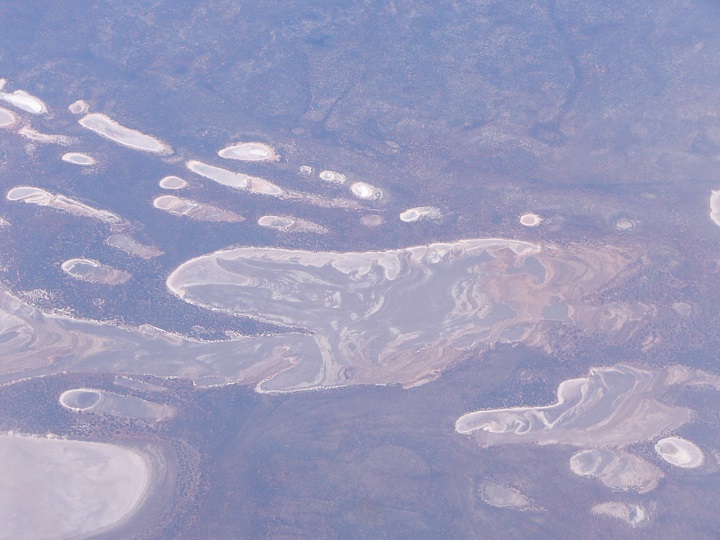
x=107 y=127
x=530 y=220
x=680 y=452
x=26 y=102
x=419 y=213
x=7 y=118
x=249 y=151
x=333 y=177
x=78 y=158
x=56 y=488
x=363 y=190
x=173 y=182
x=235 y=180
x=715 y=206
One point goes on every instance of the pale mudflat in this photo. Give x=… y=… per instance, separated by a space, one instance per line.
x=612 y=406
x=632 y=514
x=616 y=469
x=31 y=134
x=610 y=409
x=79 y=107
x=438 y=303
x=464 y=296
x=503 y=496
